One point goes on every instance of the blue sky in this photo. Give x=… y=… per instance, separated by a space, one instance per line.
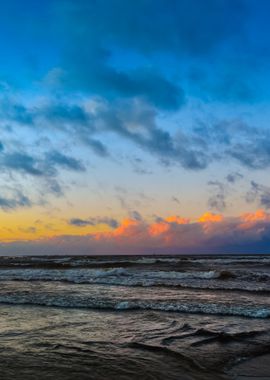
x=135 y=110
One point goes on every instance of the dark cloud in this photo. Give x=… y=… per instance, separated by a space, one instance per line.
x=56 y=115
x=19 y=200
x=80 y=222
x=175 y=199
x=139 y=166
x=134 y=120
x=112 y=50
x=217 y=201
x=60 y=113
x=265 y=199
x=135 y=215
x=259 y=193
x=16 y=112
x=59 y=159
x=21 y=162
x=179 y=26
x=237 y=140
x=98 y=31
x=54 y=187
x=98 y=147
x=93 y=222
x=234 y=177
x=71 y=118
x=221 y=190
x=137 y=121
x=93 y=75
x=38 y=166
x=43 y=169
x=253 y=154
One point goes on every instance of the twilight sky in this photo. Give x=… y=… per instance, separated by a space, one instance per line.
x=134 y=126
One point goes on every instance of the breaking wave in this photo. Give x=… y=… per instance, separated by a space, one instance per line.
x=183 y=306
x=212 y=279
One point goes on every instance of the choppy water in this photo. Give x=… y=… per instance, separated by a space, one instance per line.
x=132 y=317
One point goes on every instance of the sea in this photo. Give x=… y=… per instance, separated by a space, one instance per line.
x=132 y=317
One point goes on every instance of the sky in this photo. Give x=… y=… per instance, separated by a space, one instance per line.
x=138 y=127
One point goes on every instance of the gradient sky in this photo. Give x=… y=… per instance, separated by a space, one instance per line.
x=135 y=126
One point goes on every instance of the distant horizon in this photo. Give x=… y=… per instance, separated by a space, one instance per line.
x=150 y=255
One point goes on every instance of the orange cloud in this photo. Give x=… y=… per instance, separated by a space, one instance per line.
x=126 y=227
x=253 y=217
x=163 y=226
x=177 y=219
x=158 y=228
x=249 y=220
x=210 y=217
x=209 y=233
x=128 y=230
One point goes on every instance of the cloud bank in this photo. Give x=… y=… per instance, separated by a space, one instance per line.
x=211 y=233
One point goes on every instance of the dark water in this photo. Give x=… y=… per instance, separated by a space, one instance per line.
x=132 y=318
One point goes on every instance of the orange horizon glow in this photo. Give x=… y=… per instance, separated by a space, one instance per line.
x=128 y=228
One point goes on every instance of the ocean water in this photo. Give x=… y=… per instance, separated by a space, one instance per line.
x=132 y=317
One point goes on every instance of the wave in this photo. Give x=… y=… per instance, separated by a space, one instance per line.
x=77 y=260
x=92 y=275
x=212 y=279
x=86 y=301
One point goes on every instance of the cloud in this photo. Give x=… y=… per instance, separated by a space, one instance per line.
x=210 y=233
x=149 y=85
x=114 y=51
x=16 y=112
x=234 y=177
x=181 y=27
x=210 y=217
x=54 y=187
x=21 y=162
x=80 y=222
x=135 y=215
x=18 y=201
x=38 y=166
x=217 y=201
x=175 y=199
x=59 y=159
x=259 y=193
x=138 y=122
x=93 y=222
x=237 y=141
x=253 y=154
x=42 y=170
x=98 y=147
